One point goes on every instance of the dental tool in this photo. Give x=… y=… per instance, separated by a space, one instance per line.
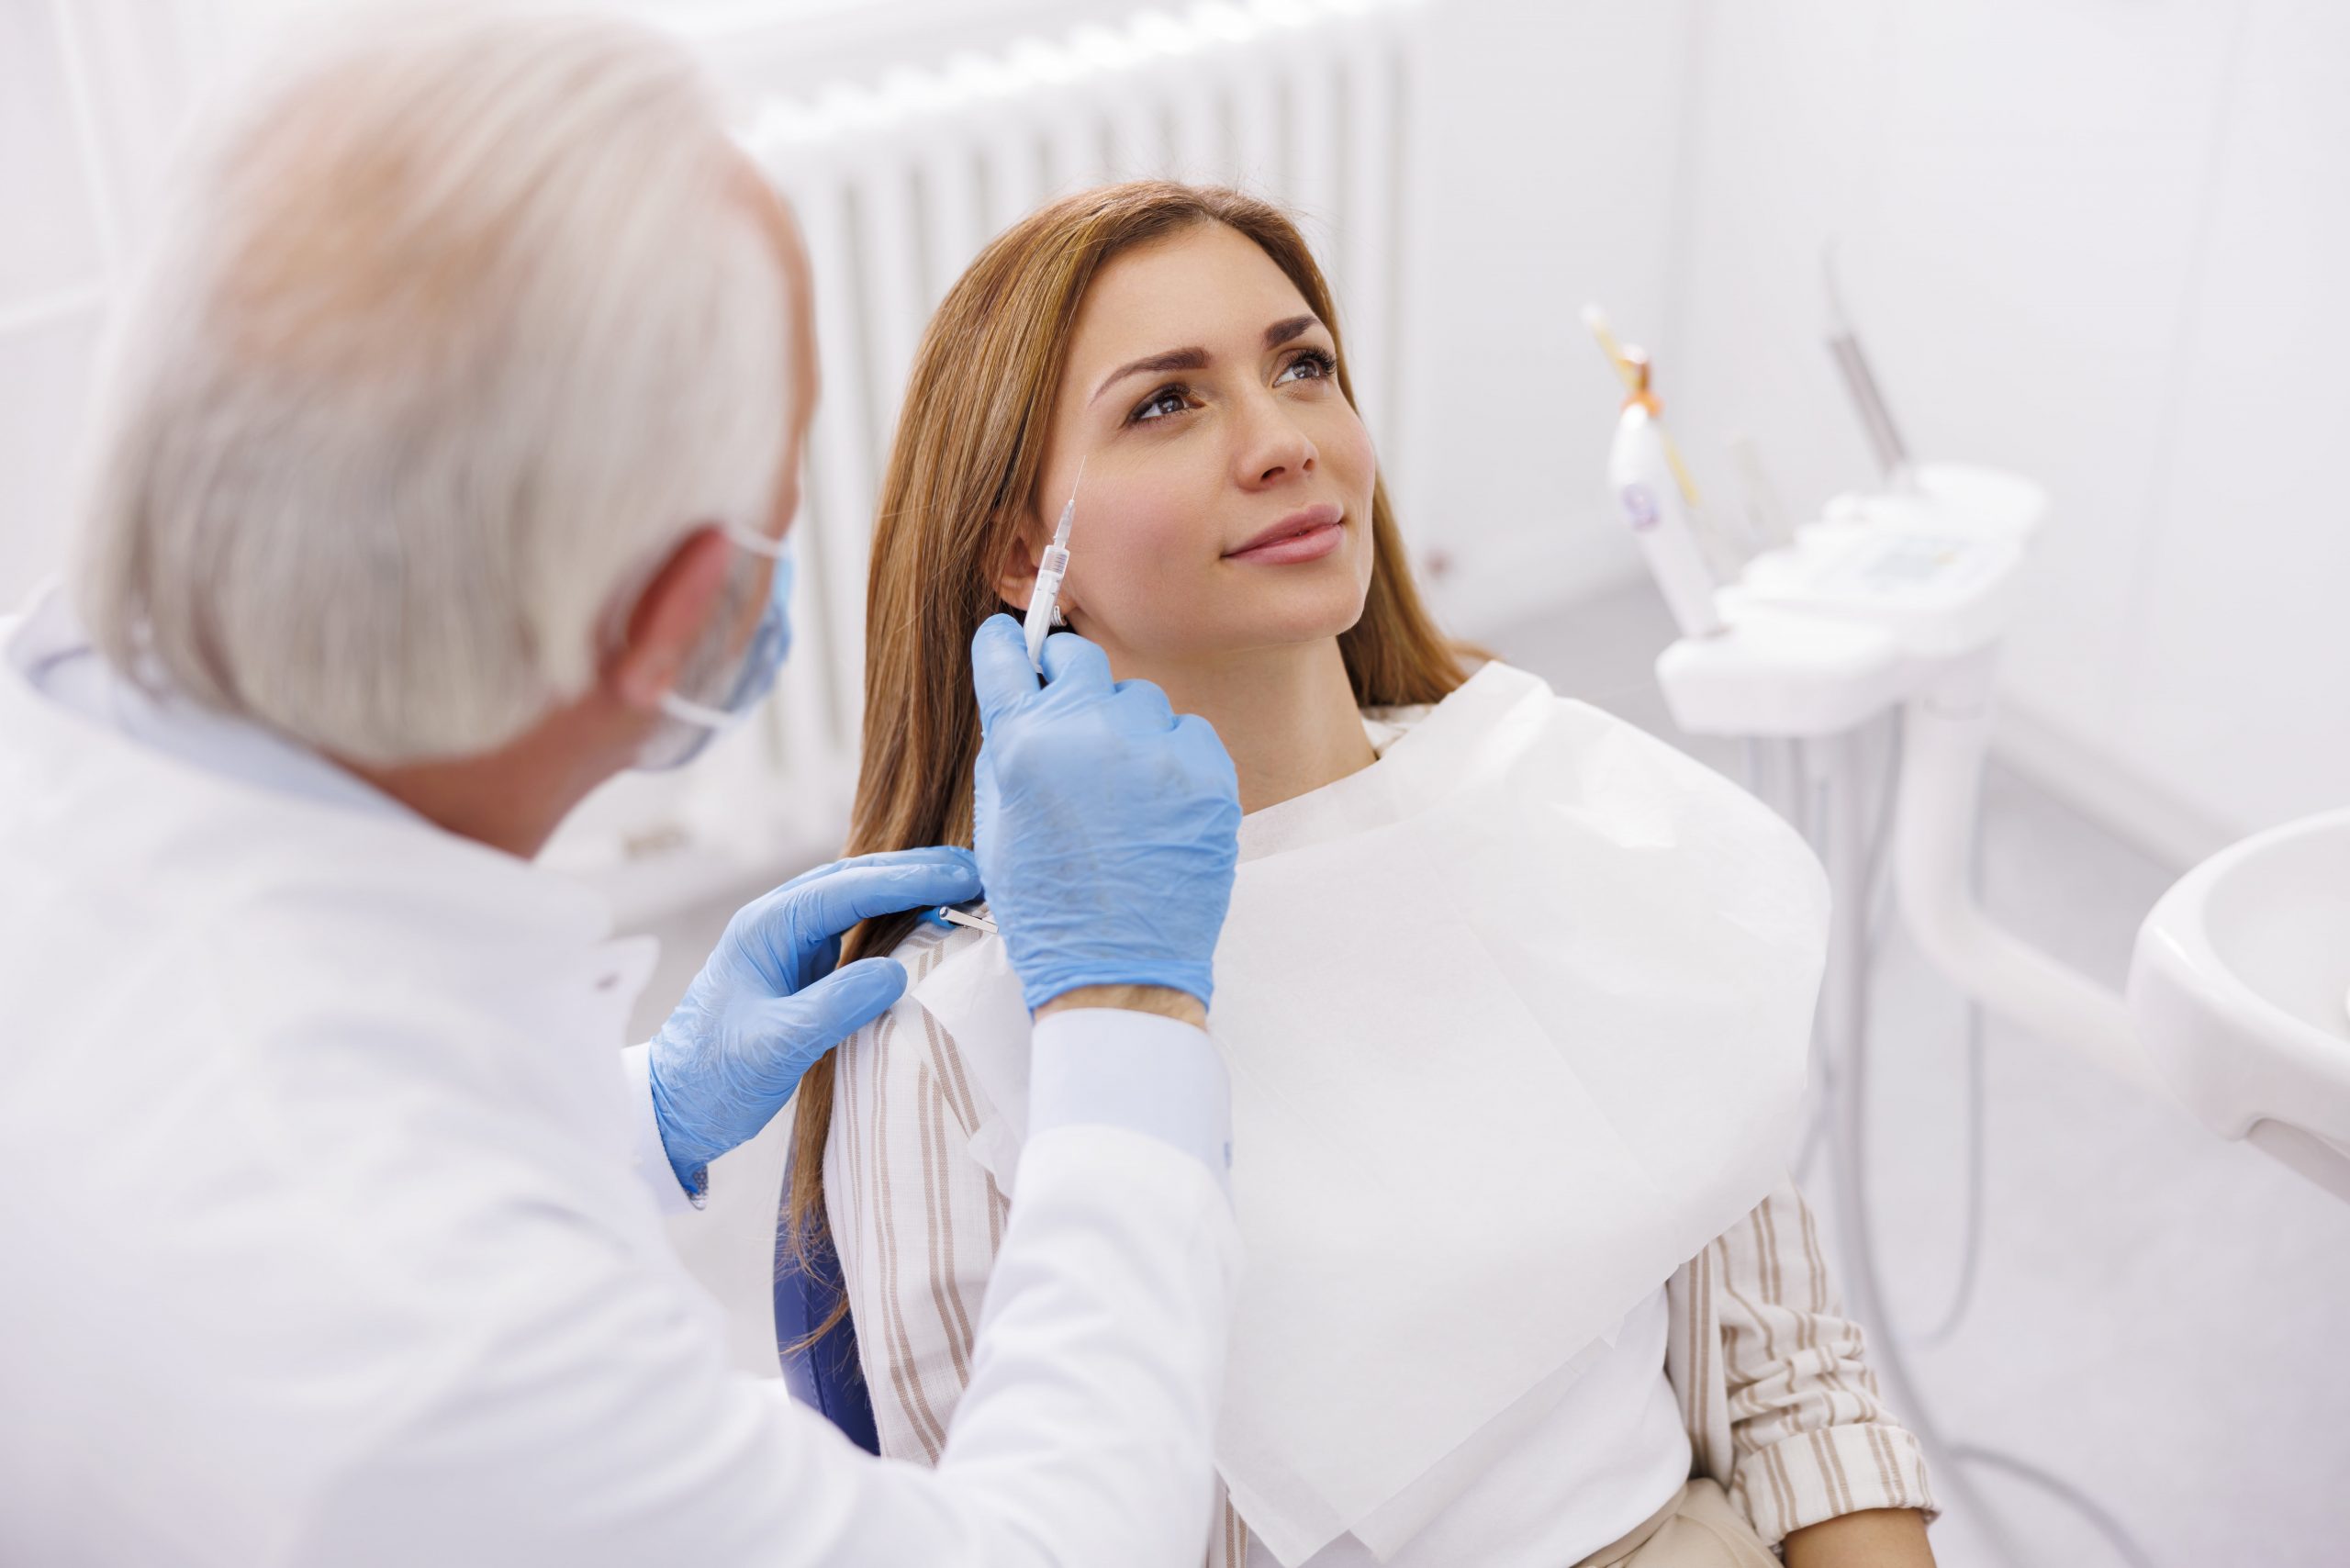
x=1860 y=381
x=967 y=917
x=1641 y=472
x=1768 y=524
x=1044 y=601
x=1632 y=369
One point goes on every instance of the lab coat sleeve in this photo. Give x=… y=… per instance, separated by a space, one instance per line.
x=1111 y=1068
x=652 y=1157
x=916 y=1210
x=1812 y=1437
x=1093 y=1066
x=588 y=1416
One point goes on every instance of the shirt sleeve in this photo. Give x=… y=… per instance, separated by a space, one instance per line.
x=1812 y=1435
x=917 y=1217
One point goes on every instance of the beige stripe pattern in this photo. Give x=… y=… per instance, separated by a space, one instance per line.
x=1770 y=1377
x=1793 y=1426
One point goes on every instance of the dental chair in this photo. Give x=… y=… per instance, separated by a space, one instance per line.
x=825 y=1376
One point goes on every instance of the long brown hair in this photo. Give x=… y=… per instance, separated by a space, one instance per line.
x=961 y=480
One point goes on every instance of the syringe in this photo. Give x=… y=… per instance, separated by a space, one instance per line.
x=1045 y=597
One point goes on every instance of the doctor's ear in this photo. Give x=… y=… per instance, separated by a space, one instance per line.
x=667 y=622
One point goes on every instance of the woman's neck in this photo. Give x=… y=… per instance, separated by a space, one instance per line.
x=1286 y=715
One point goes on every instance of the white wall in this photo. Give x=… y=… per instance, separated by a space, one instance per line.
x=88 y=95
x=1540 y=147
x=2085 y=238
x=2103 y=243
x=1546 y=141
x=1503 y=410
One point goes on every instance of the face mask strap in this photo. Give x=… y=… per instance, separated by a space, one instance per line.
x=694 y=712
x=757 y=544
x=702 y=714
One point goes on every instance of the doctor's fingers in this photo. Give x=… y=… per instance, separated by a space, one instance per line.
x=1142 y=707
x=929 y=855
x=1202 y=750
x=798 y=932
x=792 y=1033
x=1001 y=677
x=1075 y=664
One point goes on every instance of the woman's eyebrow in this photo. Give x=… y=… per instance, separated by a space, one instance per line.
x=1283 y=331
x=1172 y=359
x=1276 y=334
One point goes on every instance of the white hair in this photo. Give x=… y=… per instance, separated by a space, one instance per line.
x=449 y=340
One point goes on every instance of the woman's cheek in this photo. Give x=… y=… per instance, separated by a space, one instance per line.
x=1142 y=590
x=1353 y=460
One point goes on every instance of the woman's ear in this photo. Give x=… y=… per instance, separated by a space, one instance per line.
x=1015 y=573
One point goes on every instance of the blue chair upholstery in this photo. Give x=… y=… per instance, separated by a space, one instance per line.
x=825 y=1376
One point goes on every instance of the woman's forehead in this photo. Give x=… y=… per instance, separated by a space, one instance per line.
x=1199 y=288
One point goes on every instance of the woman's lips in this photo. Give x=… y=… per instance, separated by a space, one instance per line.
x=1307 y=534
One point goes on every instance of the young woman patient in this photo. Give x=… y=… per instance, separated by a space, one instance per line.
x=1527 y=1287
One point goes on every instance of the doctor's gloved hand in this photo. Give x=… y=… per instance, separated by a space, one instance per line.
x=1106 y=827
x=770 y=1002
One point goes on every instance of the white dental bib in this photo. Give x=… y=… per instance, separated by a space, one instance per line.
x=1517 y=1019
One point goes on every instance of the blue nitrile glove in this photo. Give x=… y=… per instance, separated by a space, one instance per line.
x=768 y=1002
x=1106 y=827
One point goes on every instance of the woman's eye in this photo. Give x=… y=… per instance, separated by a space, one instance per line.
x=1159 y=403
x=1315 y=364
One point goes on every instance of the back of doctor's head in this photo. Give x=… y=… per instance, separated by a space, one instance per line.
x=456 y=327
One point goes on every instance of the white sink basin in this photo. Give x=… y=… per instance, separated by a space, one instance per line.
x=2240 y=989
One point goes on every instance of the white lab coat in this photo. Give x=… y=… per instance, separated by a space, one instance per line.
x=322 y=1243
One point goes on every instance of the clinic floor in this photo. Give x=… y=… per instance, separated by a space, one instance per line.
x=2154 y=1311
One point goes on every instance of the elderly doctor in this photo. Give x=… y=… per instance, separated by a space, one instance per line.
x=446 y=472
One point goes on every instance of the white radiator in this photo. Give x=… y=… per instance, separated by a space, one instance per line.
x=897 y=187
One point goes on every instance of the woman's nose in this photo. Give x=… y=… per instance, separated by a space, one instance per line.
x=1273 y=446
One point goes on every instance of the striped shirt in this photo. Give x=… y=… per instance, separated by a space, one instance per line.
x=1770 y=1378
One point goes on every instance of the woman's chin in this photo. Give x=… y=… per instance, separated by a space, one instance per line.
x=1304 y=605
x=1293 y=612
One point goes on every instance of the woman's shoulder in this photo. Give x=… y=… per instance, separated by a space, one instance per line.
x=1502 y=715
x=923 y=947
x=869 y=1050
x=903 y=1078
x=919 y=950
